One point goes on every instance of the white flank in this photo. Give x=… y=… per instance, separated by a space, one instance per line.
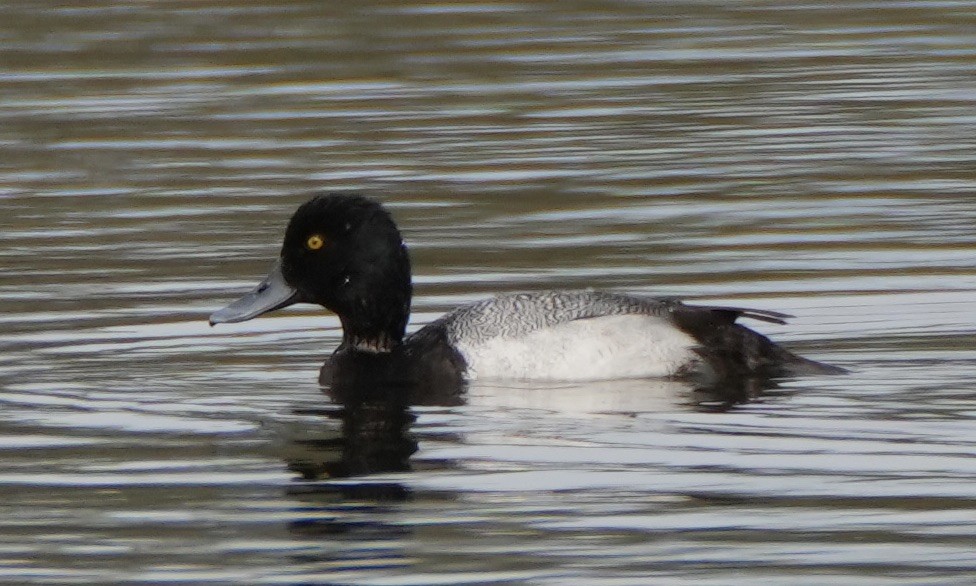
x=606 y=347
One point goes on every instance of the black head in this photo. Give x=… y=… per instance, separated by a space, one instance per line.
x=344 y=252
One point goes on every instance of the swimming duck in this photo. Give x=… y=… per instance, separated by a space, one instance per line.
x=344 y=252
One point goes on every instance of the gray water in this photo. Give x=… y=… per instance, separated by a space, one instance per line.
x=811 y=159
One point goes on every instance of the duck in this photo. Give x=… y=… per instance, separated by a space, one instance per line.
x=344 y=252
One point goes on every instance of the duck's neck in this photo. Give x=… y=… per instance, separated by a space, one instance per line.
x=374 y=343
x=375 y=305
x=376 y=326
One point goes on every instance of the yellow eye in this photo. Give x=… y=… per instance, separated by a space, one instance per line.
x=315 y=242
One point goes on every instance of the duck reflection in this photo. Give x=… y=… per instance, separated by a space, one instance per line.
x=373 y=436
x=729 y=393
x=624 y=397
x=365 y=429
x=368 y=423
x=350 y=519
x=372 y=406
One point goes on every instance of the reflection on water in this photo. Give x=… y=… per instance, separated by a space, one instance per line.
x=366 y=431
x=374 y=435
x=366 y=427
x=810 y=159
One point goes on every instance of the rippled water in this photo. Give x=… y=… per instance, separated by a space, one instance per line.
x=811 y=159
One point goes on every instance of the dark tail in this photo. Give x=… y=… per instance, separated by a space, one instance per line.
x=729 y=349
x=793 y=365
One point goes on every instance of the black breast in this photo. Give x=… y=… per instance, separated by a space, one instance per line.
x=425 y=368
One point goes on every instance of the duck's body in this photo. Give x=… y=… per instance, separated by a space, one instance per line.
x=560 y=335
x=345 y=253
x=592 y=335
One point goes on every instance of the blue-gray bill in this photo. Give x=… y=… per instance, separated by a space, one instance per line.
x=271 y=293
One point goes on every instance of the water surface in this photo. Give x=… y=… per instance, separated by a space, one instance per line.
x=814 y=160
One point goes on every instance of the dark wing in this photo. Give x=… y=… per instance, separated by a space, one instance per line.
x=717 y=314
x=733 y=313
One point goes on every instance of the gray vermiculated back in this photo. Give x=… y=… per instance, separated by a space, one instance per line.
x=517 y=314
